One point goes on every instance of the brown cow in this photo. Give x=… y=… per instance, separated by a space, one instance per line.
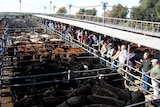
x=74 y=51
x=26 y=49
x=58 y=51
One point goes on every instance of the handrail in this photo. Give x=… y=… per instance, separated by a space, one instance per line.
x=82 y=45
x=137 y=26
x=144 y=102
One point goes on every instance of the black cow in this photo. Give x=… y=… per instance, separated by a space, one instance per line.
x=121 y=93
x=77 y=101
x=96 y=99
x=137 y=96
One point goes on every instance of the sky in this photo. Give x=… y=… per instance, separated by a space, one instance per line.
x=37 y=6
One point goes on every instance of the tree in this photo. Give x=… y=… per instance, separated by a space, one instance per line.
x=148 y=9
x=87 y=12
x=62 y=10
x=91 y=12
x=157 y=11
x=81 y=11
x=118 y=11
x=137 y=13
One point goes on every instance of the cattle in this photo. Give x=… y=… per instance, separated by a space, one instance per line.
x=51 y=101
x=83 y=90
x=58 y=52
x=34 y=49
x=99 y=105
x=47 y=50
x=121 y=93
x=25 y=51
x=48 y=88
x=74 y=51
x=89 y=94
x=4 y=21
x=137 y=96
x=41 y=52
x=96 y=99
x=77 y=101
x=66 y=89
x=38 y=50
x=96 y=89
x=2 y=27
x=44 y=101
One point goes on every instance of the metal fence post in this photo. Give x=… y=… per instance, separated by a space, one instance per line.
x=69 y=74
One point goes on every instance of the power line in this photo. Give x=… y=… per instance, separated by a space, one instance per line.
x=43 y=5
x=115 y=6
x=35 y=6
x=85 y=6
x=29 y=5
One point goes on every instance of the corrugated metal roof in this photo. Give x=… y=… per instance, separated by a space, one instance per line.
x=140 y=39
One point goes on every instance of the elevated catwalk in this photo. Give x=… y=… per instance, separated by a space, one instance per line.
x=140 y=39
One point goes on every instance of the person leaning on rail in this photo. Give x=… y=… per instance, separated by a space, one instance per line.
x=114 y=58
x=122 y=58
x=144 y=67
x=155 y=75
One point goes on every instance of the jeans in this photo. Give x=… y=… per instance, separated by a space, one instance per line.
x=90 y=52
x=146 y=79
x=120 y=67
x=131 y=78
x=113 y=68
x=103 y=62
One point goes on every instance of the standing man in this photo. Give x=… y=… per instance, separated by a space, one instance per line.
x=95 y=42
x=115 y=58
x=131 y=58
x=155 y=75
x=122 y=58
x=145 y=66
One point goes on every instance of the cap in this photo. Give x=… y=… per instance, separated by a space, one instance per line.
x=154 y=60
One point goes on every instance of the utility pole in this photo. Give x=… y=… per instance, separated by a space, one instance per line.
x=44 y=9
x=50 y=6
x=70 y=5
x=20 y=4
x=104 y=6
x=54 y=9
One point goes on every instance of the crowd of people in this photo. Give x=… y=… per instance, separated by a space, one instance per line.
x=116 y=52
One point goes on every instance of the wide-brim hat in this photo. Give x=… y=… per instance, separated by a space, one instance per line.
x=154 y=60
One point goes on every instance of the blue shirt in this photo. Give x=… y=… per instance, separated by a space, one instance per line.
x=90 y=42
x=1 y=50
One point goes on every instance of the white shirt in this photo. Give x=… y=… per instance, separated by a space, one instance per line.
x=122 y=56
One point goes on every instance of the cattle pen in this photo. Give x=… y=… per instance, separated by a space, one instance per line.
x=41 y=67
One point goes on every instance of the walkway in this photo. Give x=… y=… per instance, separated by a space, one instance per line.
x=151 y=41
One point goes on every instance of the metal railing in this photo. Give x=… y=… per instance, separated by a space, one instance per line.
x=136 y=26
x=125 y=72
x=85 y=47
x=116 y=22
x=88 y=48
